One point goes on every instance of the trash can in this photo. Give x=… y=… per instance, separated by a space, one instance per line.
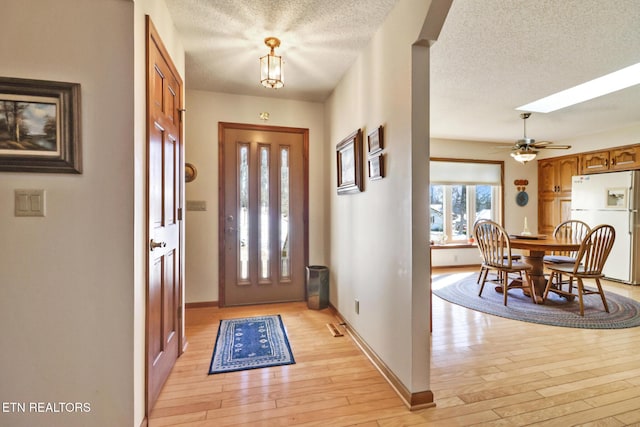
x=317 y=287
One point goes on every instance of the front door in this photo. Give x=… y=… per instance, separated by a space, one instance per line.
x=164 y=202
x=263 y=213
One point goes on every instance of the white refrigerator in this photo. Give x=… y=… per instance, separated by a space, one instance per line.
x=612 y=198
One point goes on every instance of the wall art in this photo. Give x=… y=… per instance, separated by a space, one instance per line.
x=39 y=126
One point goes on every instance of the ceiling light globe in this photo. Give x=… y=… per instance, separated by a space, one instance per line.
x=523 y=156
x=271 y=66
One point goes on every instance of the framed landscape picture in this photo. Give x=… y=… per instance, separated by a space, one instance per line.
x=39 y=126
x=349 y=163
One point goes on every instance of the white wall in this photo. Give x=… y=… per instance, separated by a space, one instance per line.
x=73 y=283
x=372 y=233
x=67 y=280
x=204 y=111
x=607 y=139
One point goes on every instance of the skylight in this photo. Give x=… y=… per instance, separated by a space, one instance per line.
x=618 y=80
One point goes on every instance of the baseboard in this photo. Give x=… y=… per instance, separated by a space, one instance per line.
x=414 y=401
x=202 y=304
x=456 y=266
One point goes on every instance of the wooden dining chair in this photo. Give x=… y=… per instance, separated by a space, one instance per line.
x=484 y=269
x=495 y=246
x=572 y=229
x=592 y=255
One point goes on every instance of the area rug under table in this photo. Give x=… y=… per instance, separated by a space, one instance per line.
x=462 y=289
x=250 y=343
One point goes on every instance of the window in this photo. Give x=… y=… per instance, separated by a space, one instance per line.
x=462 y=192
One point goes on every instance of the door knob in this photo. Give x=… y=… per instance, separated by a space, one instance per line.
x=153 y=244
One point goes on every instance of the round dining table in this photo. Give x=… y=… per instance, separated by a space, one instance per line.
x=537 y=246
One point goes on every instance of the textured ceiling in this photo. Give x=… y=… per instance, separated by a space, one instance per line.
x=492 y=56
x=495 y=55
x=320 y=39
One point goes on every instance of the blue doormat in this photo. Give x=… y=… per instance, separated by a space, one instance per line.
x=250 y=343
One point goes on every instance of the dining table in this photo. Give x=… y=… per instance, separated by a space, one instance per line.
x=535 y=247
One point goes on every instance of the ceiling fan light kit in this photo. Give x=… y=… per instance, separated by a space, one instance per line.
x=271 y=66
x=526 y=149
x=524 y=156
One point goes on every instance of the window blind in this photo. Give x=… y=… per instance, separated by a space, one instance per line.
x=471 y=173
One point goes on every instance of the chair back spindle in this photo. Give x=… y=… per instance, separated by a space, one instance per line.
x=572 y=229
x=591 y=258
x=595 y=250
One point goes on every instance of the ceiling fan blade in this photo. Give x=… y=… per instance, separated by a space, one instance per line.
x=557 y=147
x=540 y=144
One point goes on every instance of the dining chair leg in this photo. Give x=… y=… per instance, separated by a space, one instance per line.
x=485 y=275
x=604 y=301
x=580 y=292
x=482 y=287
x=549 y=284
x=480 y=275
x=505 y=285
x=559 y=281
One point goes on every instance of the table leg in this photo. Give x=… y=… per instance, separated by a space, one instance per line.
x=539 y=282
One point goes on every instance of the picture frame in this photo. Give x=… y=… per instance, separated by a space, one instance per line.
x=350 y=163
x=40 y=126
x=375 y=141
x=376 y=167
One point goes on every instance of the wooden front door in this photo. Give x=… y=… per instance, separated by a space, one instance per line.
x=263 y=213
x=164 y=202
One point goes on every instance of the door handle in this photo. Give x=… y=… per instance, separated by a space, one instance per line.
x=153 y=244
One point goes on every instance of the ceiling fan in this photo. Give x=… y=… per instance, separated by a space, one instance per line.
x=526 y=149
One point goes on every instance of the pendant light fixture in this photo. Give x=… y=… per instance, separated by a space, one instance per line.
x=524 y=155
x=271 y=66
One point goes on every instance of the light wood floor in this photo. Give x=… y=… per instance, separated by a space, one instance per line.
x=485 y=370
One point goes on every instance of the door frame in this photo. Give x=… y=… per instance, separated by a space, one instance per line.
x=153 y=37
x=222 y=127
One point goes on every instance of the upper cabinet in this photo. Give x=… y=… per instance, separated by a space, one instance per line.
x=625 y=158
x=554 y=179
x=595 y=162
x=554 y=191
x=554 y=175
x=616 y=159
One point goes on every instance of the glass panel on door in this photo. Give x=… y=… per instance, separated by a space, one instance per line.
x=243 y=213
x=284 y=213
x=264 y=213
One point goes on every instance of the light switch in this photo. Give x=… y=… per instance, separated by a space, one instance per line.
x=29 y=203
x=196 y=205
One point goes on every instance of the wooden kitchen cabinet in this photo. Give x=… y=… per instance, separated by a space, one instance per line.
x=554 y=175
x=625 y=158
x=616 y=159
x=552 y=210
x=595 y=162
x=554 y=191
